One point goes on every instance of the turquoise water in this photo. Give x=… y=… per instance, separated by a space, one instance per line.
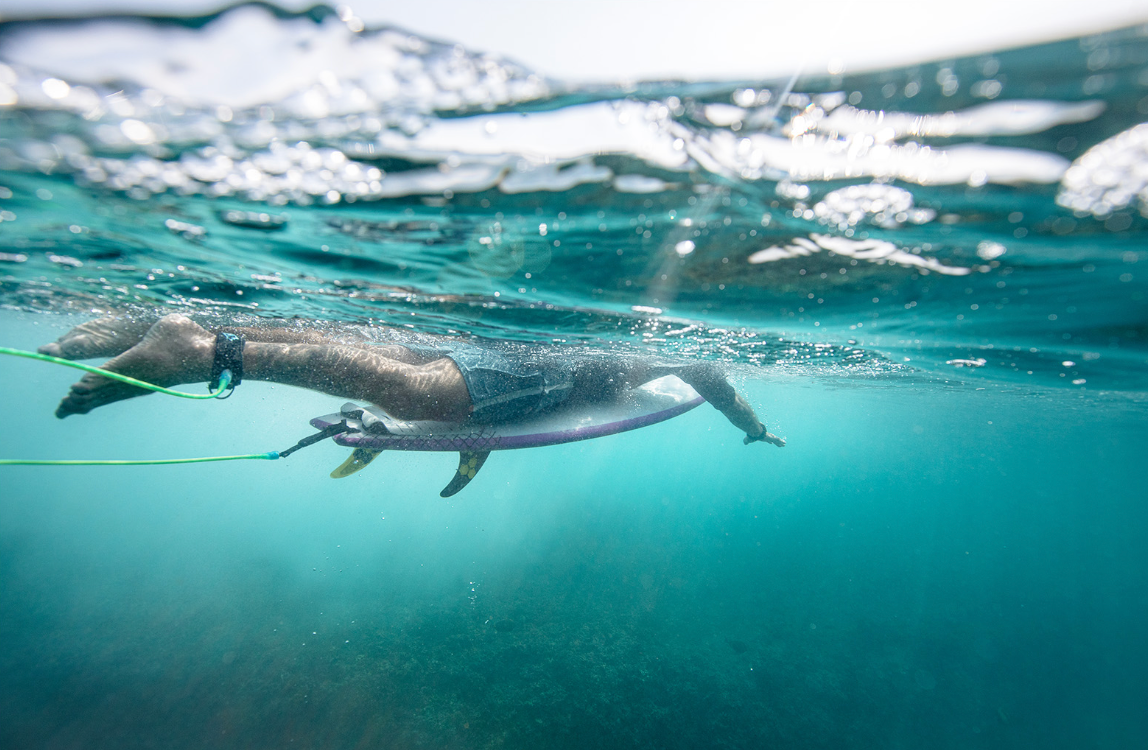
x=944 y=317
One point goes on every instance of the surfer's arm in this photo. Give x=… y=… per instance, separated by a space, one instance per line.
x=711 y=384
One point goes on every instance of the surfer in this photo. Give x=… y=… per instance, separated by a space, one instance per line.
x=449 y=381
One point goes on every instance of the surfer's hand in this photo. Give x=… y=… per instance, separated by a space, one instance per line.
x=764 y=437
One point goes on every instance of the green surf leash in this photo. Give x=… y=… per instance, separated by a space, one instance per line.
x=321 y=435
x=270 y=456
x=224 y=383
x=224 y=387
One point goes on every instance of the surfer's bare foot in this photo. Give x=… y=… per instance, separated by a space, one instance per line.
x=175 y=350
x=103 y=337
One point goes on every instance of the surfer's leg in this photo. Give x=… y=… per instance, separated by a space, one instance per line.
x=176 y=350
x=351 y=336
x=712 y=385
x=434 y=391
x=115 y=334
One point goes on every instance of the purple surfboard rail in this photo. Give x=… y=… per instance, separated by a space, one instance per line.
x=515 y=436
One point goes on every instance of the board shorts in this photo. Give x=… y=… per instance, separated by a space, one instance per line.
x=506 y=384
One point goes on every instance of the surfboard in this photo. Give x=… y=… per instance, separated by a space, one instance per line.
x=370 y=431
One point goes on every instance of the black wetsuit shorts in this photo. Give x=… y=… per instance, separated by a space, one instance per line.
x=506 y=383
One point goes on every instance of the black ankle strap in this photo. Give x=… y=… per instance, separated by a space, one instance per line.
x=228 y=356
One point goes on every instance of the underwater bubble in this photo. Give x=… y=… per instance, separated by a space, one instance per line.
x=988 y=250
x=254 y=219
x=877 y=203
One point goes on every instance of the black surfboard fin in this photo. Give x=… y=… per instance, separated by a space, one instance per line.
x=469 y=462
x=357 y=461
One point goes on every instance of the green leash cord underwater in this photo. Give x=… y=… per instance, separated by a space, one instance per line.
x=224 y=382
x=271 y=456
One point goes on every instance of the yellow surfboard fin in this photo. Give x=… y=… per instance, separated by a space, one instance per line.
x=357 y=460
x=469 y=462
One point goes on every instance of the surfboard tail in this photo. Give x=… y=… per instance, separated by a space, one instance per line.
x=357 y=461
x=469 y=462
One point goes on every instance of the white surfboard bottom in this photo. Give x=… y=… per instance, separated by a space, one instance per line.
x=649 y=404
